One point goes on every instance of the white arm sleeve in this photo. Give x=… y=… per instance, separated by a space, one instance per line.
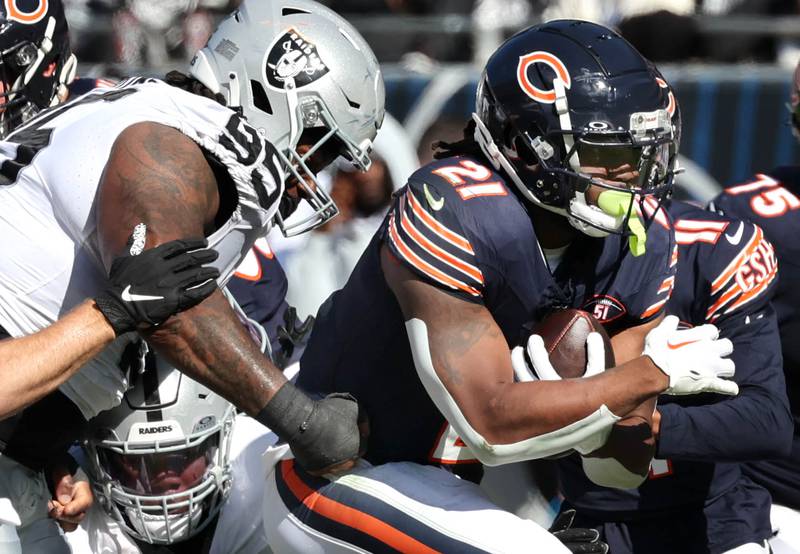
x=586 y=435
x=608 y=472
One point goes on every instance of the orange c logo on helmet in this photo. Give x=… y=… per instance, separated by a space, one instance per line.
x=671 y=106
x=34 y=16
x=543 y=96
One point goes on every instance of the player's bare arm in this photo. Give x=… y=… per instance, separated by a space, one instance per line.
x=158 y=176
x=629 y=343
x=27 y=370
x=471 y=357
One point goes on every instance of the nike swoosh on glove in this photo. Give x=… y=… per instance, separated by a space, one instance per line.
x=693 y=359
x=148 y=288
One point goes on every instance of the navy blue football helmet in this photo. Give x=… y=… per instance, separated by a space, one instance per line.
x=567 y=105
x=36 y=62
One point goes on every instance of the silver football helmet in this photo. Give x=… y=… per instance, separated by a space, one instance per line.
x=159 y=462
x=297 y=69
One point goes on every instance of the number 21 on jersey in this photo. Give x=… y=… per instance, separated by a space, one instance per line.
x=468 y=179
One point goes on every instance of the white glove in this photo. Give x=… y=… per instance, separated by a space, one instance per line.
x=693 y=359
x=542 y=368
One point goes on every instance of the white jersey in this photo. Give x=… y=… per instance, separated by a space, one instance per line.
x=50 y=171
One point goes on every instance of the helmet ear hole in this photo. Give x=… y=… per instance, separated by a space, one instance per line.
x=260 y=98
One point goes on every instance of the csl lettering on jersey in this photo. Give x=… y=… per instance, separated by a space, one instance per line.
x=759 y=267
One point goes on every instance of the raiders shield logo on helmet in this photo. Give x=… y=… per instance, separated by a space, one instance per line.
x=292 y=57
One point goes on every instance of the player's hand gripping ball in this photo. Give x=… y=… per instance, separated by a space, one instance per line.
x=571 y=344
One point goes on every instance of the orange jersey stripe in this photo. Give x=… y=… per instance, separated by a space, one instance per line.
x=249 y=268
x=423 y=266
x=755 y=291
x=437 y=252
x=438 y=228
x=653 y=209
x=685 y=238
x=351 y=517
x=744 y=254
x=743 y=299
x=667 y=284
x=654 y=308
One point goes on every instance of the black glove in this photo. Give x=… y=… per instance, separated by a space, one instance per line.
x=149 y=288
x=578 y=540
x=292 y=335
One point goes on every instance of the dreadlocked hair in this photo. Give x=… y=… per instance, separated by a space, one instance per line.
x=467 y=146
x=190 y=84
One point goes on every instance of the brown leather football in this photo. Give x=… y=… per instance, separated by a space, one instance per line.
x=564 y=333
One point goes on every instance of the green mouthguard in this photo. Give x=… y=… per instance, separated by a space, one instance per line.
x=616 y=203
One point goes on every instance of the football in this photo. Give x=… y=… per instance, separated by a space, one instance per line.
x=564 y=333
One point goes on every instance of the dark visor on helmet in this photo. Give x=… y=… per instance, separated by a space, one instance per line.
x=160 y=473
x=632 y=162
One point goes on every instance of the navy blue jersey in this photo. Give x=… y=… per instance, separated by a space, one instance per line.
x=259 y=286
x=727 y=273
x=82 y=85
x=460 y=227
x=773 y=202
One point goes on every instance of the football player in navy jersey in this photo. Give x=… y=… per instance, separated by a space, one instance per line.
x=696 y=498
x=533 y=211
x=772 y=200
x=259 y=286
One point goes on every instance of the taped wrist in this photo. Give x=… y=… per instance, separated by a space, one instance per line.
x=321 y=433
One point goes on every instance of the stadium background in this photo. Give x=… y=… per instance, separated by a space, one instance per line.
x=729 y=60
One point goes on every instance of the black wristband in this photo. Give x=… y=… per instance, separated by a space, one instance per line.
x=287 y=413
x=321 y=433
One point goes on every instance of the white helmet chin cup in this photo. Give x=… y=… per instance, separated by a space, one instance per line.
x=165 y=528
x=295 y=66
x=591 y=220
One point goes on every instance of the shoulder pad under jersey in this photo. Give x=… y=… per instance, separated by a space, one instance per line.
x=440 y=222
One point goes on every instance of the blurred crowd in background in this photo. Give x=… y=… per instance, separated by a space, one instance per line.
x=423 y=33
x=432 y=51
